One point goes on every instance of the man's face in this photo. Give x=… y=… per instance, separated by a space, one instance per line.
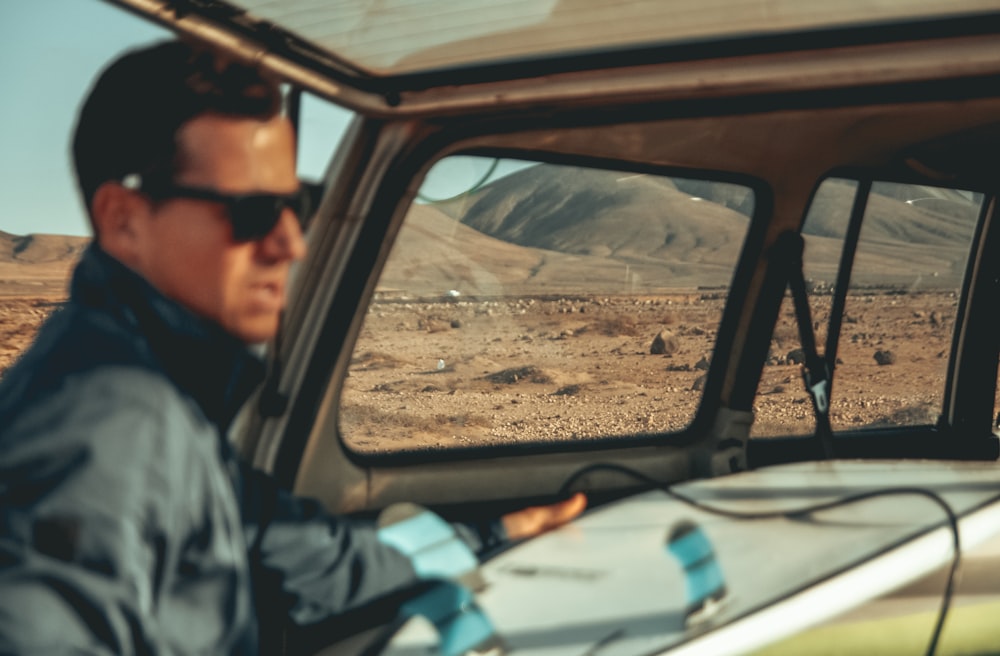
x=185 y=246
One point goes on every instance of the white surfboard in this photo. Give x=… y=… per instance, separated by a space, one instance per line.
x=607 y=585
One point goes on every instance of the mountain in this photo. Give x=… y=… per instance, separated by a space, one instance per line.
x=562 y=229
x=555 y=230
x=558 y=230
x=37 y=249
x=912 y=237
x=436 y=254
x=37 y=265
x=632 y=218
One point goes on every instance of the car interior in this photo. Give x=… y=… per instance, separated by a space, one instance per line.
x=684 y=258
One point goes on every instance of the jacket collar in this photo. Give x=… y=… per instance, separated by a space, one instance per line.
x=216 y=369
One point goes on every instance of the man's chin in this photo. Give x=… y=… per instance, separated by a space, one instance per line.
x=255 y=330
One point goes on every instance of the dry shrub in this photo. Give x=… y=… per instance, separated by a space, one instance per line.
x=370 y=360
x=439 y=420
x=529 y=373
x=785 y=333
x=434 y=325
x=920 y=414
x=616 y=326
x=361 y=419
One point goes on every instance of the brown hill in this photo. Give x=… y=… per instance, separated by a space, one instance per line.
x=36 y=249
x=913 y=237
x=630 y=218
x=37 y=265
x=689 y=232
x=548 y=229
x=436 y=254
x=936 y=217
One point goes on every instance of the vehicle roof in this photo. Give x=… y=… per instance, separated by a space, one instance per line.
x=381 y=38
x=399 y=45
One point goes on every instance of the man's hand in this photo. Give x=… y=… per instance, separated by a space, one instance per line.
x=532 y=521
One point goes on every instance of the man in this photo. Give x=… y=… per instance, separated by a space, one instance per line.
x=127 y=525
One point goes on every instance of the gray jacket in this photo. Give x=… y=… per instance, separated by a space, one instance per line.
x=127 y=524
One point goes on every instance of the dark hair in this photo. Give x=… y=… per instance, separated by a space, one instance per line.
x=129 y=121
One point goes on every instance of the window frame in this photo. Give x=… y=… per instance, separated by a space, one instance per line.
x=708 y=406
x=963 y=408
x=389 y=224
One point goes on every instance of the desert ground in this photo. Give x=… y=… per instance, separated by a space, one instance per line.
x=34 y=278
x=479 y=333
x=530 y=370
x=20 y=317
x=455 y=372
x=582 y=368
x=28 y=294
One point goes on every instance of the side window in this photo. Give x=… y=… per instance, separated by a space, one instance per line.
x=321 y=127
x=528 y=302
x=897 y=326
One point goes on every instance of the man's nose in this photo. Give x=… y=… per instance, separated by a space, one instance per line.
x=285 y=241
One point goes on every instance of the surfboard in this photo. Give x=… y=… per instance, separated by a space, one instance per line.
x=650 y=574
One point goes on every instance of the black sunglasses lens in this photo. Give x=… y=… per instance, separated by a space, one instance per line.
x=254 y=217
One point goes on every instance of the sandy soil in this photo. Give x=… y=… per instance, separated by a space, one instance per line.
x=457 y=373
x=20 y=317
x=536 y=370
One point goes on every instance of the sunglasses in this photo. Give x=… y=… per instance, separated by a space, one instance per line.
x=253 y=216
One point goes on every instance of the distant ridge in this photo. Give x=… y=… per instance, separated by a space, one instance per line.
x=540 y=229
x=38 y=265
x=41 y=248
x=632 y=218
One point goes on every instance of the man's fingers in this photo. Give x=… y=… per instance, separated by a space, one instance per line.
x=564 y=511
x=532 y=521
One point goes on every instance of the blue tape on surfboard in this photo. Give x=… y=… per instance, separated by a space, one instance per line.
x=702 y=574
x=432 y=545
x=467 y=631
x=691 y=547
x=446 y=560
x=704 y=582
x=416 y=533
x=460 y=623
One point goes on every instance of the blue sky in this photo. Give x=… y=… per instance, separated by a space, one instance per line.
x=50 y=51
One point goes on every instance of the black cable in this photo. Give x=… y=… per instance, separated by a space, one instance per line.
x=948 y=592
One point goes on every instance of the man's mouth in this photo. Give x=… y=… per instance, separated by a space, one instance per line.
x=268 y=296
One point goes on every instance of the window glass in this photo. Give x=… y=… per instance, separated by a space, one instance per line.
x=782 y=406
x=900 y=309
x=528 y=302
x=321 y=127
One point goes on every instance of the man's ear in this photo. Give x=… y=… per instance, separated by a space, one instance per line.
x=117 y=214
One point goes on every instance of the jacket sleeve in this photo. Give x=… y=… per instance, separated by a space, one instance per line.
x=325 y=564
x=322 y=564
x=82 y=521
